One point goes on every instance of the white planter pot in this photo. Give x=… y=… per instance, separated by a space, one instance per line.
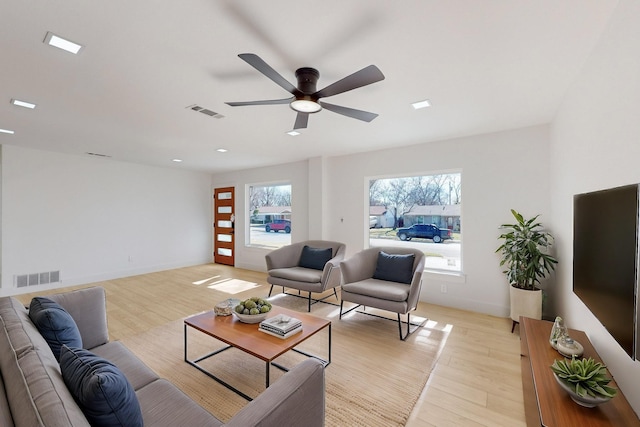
x=525 y=303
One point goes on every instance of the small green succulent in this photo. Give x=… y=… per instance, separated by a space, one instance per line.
x=585 y=376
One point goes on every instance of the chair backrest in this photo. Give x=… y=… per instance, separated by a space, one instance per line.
x=363 y=264
x=288 y=256
x=336 y=247
x=417 y=262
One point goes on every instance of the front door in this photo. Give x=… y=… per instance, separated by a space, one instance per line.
x=223 y=226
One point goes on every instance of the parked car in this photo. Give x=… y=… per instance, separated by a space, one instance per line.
x=373 y=221
x=277 y=225
x=424 y=231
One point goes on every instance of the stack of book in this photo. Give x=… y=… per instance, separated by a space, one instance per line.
x=281 y=326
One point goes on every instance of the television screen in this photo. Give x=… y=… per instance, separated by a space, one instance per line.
x=605 y=243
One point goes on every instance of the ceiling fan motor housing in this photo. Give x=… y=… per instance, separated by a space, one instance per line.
x=307 y=79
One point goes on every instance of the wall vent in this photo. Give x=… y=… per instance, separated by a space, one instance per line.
x=206 y=111
x=32 y=279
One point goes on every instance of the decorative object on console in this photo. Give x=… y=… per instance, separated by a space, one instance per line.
x=585 y=380
x=569 y=347
x=558 y=331
x=524 y=252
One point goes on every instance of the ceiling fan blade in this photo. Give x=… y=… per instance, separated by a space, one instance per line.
x=366 y=76
x=256 y=62
x=301 y=121
x=365 y=116
x=265 y=102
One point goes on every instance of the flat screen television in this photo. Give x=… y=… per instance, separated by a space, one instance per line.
x=605 y=260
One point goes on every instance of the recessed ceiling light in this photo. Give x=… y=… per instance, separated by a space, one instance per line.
x=293 y=133
x=10 y=132
x=24 y=104
x=64 y=44
x=421 y=104
x=176 y=160
x=222 y=150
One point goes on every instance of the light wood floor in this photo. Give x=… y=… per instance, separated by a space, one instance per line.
x=476 y=381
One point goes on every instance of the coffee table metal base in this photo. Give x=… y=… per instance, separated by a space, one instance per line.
x=195 y=362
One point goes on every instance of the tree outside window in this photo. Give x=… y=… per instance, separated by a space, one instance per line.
x=270 y=215
x=398 y=204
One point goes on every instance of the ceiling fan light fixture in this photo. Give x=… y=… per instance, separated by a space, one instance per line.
x=305 y=106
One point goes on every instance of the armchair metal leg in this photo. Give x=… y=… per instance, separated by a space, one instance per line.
x=409 y=324
x=270 y=290
x=309 y=308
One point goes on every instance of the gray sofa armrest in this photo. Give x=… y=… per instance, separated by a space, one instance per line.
x=88 y=307
x=296 y=399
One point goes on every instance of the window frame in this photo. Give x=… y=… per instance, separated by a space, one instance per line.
x=459 y=271
x=271 y=240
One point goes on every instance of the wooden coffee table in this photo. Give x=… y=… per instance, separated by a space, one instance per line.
x=248 y=338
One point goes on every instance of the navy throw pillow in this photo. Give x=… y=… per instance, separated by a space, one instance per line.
x=101 y=390
x=394 y=267
x=314 y=258
x=55 y=324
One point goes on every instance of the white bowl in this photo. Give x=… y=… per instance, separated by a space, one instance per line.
x=586 y=401
x=251 y=318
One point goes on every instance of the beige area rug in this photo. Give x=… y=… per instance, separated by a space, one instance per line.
x=374 y=379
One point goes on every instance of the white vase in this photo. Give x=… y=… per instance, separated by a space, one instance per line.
x=525 y=303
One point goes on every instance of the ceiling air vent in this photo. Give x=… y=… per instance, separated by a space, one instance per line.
x=98 y=155
x=206 y=111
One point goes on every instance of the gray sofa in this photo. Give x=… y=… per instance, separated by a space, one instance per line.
x=33 y=393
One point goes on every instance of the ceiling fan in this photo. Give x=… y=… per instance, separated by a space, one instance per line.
x=306 y=98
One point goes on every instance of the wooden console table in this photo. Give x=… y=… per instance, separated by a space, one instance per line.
x=548 y=405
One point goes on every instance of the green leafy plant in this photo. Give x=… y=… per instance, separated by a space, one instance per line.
x=586 y=377
x=524 y=252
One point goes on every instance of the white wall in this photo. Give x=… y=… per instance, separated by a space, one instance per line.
x=596 y=145
x=500 y=171
x=97 y=219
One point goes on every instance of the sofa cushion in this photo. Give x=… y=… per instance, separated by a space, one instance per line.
x=165 y=405
x=380 y=289
x=100 y=388
x=314 y=258
x=87 y=306
x=54 y=324
x=137 y=373
x=5 y=412
x=36 y=392
x=297 y=274
x=394 y=267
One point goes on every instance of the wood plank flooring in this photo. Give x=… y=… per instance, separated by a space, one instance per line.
x=476 y=381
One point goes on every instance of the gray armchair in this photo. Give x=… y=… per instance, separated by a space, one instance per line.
x=390 y=283
x=312 y=266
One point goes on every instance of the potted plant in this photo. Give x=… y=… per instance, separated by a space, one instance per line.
x=524 y=252
x=585 y=380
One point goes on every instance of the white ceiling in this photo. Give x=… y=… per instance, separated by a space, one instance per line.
x=485 y=65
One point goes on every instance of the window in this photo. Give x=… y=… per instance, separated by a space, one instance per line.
x=421 y=212
x=269 y=215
